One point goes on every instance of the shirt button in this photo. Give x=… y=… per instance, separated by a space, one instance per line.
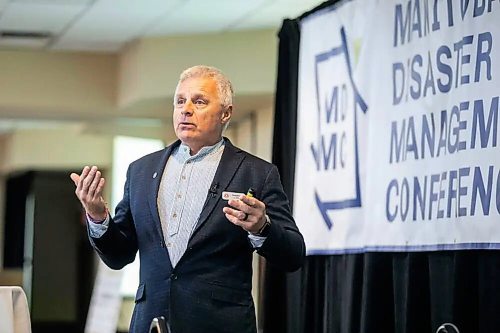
x=179 y=195
x=174 y=215
x=183 y=177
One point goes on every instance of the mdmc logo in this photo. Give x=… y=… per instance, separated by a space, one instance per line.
x=335 y=150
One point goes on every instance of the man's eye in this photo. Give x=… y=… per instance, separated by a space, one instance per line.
x=180 y=101
x=200 y=102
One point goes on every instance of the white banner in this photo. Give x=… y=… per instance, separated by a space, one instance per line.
x=398 y=127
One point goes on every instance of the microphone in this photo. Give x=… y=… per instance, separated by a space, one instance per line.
x=214 y=189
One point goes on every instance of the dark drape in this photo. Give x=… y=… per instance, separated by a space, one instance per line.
x=370 y=292
x=276 y=288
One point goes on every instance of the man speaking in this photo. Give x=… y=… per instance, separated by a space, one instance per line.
x=195 y=211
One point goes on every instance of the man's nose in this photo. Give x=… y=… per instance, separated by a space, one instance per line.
x=187 y=108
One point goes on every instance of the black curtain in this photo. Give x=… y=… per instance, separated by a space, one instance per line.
x=369 y=292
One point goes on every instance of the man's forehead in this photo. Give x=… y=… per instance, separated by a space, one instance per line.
x=196 y=85
x=199 y=91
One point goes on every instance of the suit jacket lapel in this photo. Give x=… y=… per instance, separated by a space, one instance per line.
x=156 y=175
x=230 y=162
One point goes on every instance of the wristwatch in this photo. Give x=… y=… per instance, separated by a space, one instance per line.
x=265 y=229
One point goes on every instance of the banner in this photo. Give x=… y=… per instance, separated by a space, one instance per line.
x=397 y=134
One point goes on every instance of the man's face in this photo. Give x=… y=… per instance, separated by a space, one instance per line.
x=198 y=114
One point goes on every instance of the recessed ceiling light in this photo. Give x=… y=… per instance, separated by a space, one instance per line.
x=24 y=39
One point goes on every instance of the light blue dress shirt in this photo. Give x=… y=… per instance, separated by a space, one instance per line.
x=183 y=189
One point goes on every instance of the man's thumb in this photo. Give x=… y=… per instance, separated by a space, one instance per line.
x=75 y=178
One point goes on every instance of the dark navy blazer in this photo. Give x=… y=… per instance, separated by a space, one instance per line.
x=209 y=290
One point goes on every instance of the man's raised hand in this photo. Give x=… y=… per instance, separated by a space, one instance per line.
x=89 y=185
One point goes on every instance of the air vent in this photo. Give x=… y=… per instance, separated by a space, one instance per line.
x=24 y=39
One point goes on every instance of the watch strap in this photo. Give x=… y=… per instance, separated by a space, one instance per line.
x=265 y=229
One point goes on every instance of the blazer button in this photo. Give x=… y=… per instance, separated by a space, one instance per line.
x=173 y=276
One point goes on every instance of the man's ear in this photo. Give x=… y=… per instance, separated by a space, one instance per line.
x=226 y=114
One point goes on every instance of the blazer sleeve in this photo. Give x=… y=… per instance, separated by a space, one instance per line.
x=118 y=245
x=284 y=246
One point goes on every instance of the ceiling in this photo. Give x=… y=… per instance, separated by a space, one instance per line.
x=107 y=25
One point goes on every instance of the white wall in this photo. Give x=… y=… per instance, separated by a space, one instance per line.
x=55 y=149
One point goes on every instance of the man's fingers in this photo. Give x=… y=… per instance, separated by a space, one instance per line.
x=231 y=211
x=234 y=220
x=89 y=185
x=247 y=212
x=252 y=202
x=75 y=178
x=241 y=216
x=84 y=174
x=235 y=217
x=240 y=205
x=89 y=178
x=238 y=214
x=248 y=205
x=94 y=184
x=100 y=187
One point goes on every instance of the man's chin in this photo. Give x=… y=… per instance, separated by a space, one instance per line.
x=184 y=133
x=186 y=138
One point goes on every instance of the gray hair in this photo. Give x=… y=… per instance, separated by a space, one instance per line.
x=224 y=86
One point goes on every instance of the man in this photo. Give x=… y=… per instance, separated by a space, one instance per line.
x=185 y=211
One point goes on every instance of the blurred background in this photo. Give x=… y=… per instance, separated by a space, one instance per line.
x=90 y=82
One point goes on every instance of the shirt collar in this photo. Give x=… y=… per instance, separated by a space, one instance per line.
x=183 y=151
